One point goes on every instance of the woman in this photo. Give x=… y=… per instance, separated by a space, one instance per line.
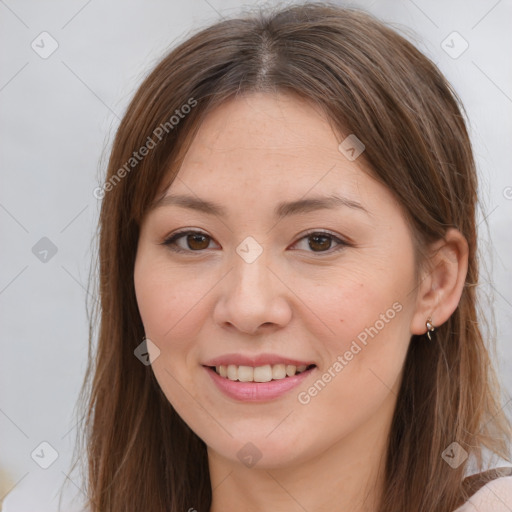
x=288 y=268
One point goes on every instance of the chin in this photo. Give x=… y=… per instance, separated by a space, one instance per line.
x=259 y=451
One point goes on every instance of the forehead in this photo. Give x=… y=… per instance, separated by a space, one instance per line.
x=264 y=141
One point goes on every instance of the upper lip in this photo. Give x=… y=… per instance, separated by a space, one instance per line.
x=255 y=360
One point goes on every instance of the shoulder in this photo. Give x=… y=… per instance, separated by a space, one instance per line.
x=495 y=496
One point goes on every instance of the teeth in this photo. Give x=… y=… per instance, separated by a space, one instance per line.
x=259 y=373
x=232 y=372
x=245 y=373
x=263 y=373
x=278 y=371
x=291 y=370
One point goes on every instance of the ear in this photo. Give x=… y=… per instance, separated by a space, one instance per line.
x=442 y=281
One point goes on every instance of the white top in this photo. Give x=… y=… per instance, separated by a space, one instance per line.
x=495 y=496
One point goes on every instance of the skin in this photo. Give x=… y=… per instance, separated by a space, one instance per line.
x=309 y=302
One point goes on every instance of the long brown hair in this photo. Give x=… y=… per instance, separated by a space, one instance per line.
x=369 y=81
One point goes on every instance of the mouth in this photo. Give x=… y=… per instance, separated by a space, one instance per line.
x=258 y=383
x=265 y=373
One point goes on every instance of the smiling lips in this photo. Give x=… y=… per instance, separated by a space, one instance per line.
x=261 y=368
x=253 y=390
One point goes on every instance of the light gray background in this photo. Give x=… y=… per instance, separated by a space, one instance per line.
x=58 y=117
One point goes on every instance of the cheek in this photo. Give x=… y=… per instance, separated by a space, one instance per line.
x=361 y=363
x=352 y=302
x=169 y=302
x=170 y=307
x=368 y=315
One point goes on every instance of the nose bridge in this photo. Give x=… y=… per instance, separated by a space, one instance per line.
x=250 y=297
x=251 y=275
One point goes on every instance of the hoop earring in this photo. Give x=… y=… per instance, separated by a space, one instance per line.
x=430 y=327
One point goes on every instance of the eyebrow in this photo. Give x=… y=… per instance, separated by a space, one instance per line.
x=282 y=210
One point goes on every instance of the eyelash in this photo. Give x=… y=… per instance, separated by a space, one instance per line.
x=170 y=241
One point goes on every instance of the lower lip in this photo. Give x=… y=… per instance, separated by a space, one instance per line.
x=257 y=391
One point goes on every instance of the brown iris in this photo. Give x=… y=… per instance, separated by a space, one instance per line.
x=201 y=241
x=322 y=241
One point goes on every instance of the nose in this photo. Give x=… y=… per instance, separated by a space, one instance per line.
x=252 y=298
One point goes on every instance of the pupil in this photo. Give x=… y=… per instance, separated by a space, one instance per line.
x=326 y=239
x=195 y=238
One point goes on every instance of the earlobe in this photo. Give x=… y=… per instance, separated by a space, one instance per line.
x=442 y=282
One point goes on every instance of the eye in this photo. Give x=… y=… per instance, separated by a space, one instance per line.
x=320 y=241
x=197 y=241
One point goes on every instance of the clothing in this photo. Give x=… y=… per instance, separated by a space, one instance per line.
x=495 y=496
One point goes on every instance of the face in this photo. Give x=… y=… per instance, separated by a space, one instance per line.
x=264 y=282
